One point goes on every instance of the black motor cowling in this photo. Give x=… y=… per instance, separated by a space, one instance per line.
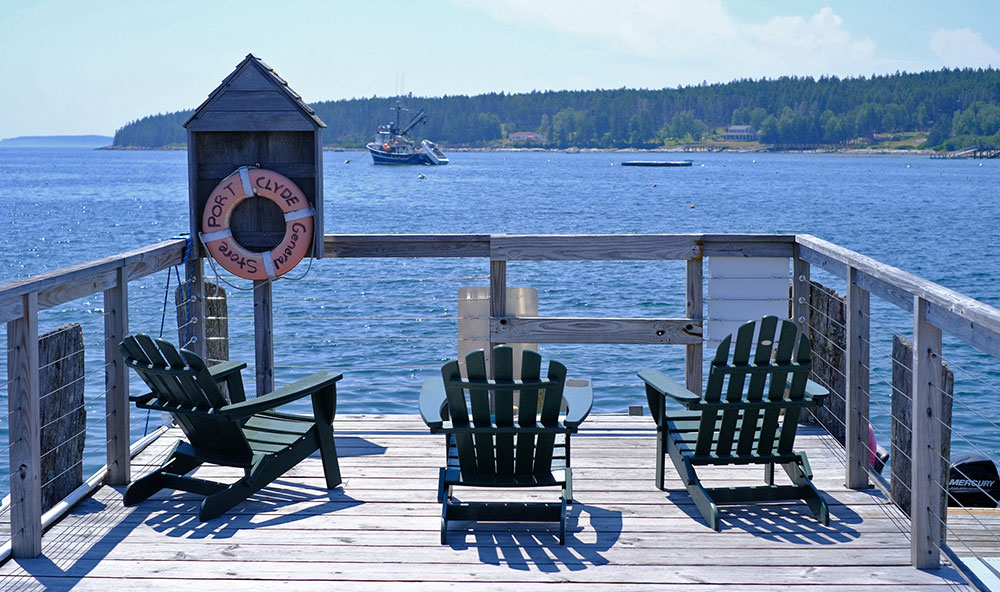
x=973 y=482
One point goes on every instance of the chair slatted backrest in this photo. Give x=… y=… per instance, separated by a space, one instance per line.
x=748 y=389
x=490 y=442
x=182 y=385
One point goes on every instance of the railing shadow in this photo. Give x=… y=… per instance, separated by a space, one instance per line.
x=70 y=556
x=537 y=545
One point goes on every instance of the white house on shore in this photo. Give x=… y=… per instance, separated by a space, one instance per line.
x=527 y=137
x=740 y=133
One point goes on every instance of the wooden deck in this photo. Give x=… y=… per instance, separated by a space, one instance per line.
x=380 y=531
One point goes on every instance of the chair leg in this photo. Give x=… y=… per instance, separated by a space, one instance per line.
x=331 y=464
x=769 y=473
x=141 y=489
x=562 y=523
x=324 y=405
x=709 y=511
x=661 y=436
x=444 y=522
x=812 y=498
x=259 y=476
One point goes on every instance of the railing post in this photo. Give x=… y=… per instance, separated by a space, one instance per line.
x=800 y=292
x=263 y=332
x=693 y=353
x=927 y=472
x=25 y=431
x=857 y=387
x=116 y=380
x=498 y=298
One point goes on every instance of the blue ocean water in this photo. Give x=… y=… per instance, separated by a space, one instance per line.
x=388 y=324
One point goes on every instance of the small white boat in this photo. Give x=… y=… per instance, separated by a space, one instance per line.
x=434 y=153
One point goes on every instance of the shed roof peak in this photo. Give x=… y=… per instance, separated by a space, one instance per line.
x=253 y=74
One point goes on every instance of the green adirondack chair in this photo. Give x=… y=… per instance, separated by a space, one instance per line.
x=523 y=445
x=749 y=415
x=246 y=434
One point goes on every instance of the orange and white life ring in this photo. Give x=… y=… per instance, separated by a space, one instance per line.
x=218 y=237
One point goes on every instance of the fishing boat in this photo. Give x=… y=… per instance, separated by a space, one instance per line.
x=393 y=146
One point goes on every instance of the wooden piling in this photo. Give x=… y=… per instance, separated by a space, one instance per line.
x=63 y=416
x=828 y=334
x=901 y=431
x=216 y=320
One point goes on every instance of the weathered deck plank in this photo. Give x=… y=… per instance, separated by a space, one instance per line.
x=380 y=530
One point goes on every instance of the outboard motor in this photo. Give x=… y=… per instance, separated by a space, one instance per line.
x=877 y=456
x=973 y=482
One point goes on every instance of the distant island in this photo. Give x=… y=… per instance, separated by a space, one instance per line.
x=947 y=109
x=57 y=142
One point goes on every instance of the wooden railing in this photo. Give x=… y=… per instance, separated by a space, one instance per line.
x=935 y=310
x=20 y=303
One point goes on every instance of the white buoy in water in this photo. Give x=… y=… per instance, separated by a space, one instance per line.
x=348 y=161
x=421 y=176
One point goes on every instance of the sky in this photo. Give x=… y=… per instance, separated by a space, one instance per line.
x=71 y=67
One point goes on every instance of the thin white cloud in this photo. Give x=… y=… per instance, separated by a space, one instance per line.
x=963 y=47
x=701 y=34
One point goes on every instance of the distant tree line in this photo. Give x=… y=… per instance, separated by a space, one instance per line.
x=955 y=107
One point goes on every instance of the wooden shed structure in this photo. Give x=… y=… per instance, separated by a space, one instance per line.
x=254 y=119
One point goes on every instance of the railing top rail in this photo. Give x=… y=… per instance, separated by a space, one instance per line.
x=973 y=321
x=63 y=285
x=564 y=247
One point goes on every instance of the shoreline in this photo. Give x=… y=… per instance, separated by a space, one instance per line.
x=671 y=150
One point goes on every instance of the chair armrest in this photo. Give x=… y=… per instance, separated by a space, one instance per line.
x=579 y=400
x=222 y=370
x=814 y=391
x=230 y=372
x=432 y=402
x=665 y=385
x=285 y=394
x=817 y=392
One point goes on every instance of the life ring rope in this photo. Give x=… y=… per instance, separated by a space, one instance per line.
x=218 y=236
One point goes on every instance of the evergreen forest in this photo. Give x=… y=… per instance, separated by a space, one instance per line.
x=951 y=108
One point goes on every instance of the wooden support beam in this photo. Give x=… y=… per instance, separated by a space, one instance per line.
x=263 y=332
x=927 y=474
x=694 y=309
x=592 y=330
x=24 y=431
x=857 y=389
x=116 y=382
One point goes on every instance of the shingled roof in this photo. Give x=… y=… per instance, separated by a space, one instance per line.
x=253 y=88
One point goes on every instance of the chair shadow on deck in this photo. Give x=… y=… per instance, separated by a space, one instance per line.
x=539 y=548
x=178 y=517
x=788 y=522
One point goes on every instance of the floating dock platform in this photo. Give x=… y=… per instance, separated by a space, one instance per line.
x=657 y=163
